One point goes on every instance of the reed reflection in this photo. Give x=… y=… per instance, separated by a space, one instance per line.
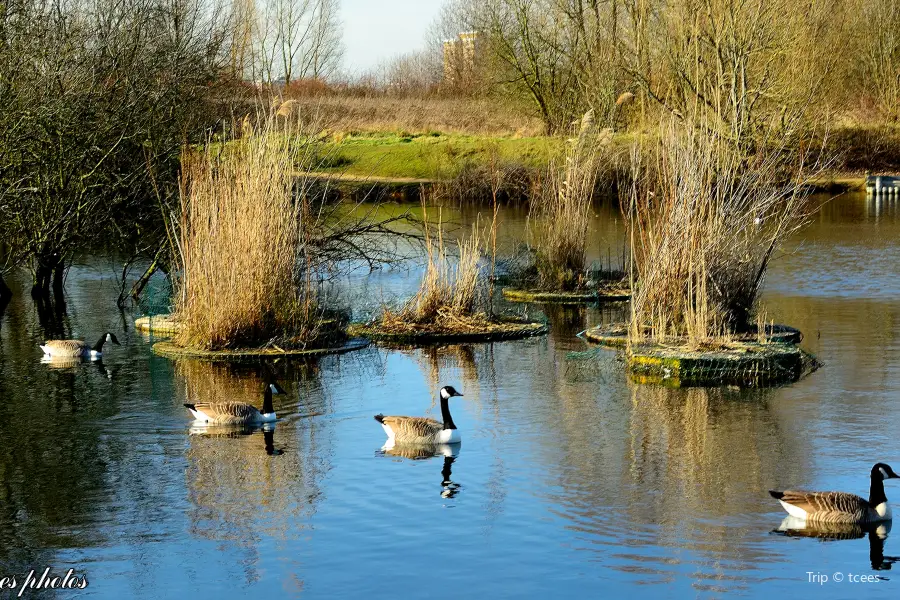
x=688 y=475
x=700 y=456
x=436 y=360
x=221 y=382
x=566 y=321
x=243 y=489
x=706 y=448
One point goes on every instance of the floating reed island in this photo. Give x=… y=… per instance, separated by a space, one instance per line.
x=255 y=355
x=763 y=355
x=165 y=326
x=615 y=335
x=244 y=287
x=611 y=290
x=447 y=332
x=559 y=216
x=705 y=218
x=744 y=364
x=451 y=304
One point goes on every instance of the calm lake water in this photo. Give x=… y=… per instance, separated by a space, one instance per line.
x=570 y=479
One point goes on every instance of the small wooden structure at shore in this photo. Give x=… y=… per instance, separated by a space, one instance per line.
x=882 y=185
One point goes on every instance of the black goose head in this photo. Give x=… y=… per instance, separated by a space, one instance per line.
x=883 y=471
x=448 y=391
x=107 y=337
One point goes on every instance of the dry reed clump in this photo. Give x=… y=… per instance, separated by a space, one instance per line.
x=705 y=220
x=475 y=182
x=239 y=247
x=448 y=295
x=560 y=211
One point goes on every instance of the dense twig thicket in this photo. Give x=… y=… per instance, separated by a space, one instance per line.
x=751 y=68
x=97 y=98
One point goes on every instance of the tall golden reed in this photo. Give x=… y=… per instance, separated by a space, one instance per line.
x=705 y=220
x=239 y=245
x=560 y=211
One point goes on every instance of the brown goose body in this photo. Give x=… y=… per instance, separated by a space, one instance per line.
x=829 y=507
x=841 y=507
x=237 y=413
x=412 y=430
x=66 y=348
x=226 y=413
x=76 y=348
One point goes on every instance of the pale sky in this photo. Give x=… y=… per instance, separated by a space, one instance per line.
x=375 y=30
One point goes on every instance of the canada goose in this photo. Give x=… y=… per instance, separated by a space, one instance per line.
x=840 y=507
x=237 y=413
x=421 y=430
x=76 y=348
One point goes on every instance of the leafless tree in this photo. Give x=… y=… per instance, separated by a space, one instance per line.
x=881 y=54
x=736 y=64
x=528 y=40
x=298 y=39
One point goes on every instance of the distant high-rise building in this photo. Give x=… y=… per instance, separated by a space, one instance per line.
x=461 y=57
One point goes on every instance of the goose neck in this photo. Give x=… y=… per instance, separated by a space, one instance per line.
x=267 y=406
x=876 y=491
x=445 y=414
x=98 y=347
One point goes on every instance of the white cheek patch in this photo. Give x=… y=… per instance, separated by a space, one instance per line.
x=884 y=474
x=273 y=388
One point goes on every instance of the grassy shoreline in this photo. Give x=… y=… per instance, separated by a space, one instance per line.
x=429 y=156
x=432 y=157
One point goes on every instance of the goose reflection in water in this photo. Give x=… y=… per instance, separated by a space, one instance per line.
x=64 y=363
x=449 y=488
x=877 y=534
x=226 y=431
